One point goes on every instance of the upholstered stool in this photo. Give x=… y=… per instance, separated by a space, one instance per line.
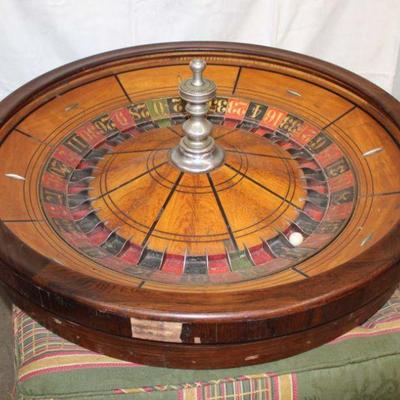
x=362 y=364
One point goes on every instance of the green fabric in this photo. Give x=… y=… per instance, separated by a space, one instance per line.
x=373 y=379
x=355 y=369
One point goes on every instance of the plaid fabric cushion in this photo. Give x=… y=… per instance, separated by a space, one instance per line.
x=362 y=364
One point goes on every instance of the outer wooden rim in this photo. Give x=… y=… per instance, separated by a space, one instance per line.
x=367 y=276
x=353 y=82
x=172 y=355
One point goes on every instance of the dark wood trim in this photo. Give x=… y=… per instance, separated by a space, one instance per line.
x=195 y=356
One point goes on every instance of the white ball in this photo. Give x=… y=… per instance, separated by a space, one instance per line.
x=296 y=239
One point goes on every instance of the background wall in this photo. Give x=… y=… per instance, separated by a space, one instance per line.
x=39 y=35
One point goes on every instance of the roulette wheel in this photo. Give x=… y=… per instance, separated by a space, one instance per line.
x=200 y=205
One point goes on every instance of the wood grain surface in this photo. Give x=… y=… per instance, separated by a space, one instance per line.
x=109 y=245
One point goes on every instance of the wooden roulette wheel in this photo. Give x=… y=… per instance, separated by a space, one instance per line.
x=137 y=224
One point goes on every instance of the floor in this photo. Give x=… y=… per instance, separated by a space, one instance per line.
x=6 y=349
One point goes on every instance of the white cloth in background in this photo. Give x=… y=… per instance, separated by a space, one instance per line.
x=39 y=35
x=360 y=35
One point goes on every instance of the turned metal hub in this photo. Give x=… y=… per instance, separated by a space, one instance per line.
x=197 y=151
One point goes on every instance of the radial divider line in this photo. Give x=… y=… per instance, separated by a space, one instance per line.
x=236 y=80
x=300 y=272
x=123 y=89
x=396 y=192
x=32 y=137
x=162 y=209
x=224 y=216
x=129 y=181
x=23 y=133
x=258 y=154
x=339 y=117
x=225 y=134
x=264 y=187
x=137 y=151
x=174 y=131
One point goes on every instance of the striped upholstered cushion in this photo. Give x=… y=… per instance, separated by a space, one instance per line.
x=362 y=364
